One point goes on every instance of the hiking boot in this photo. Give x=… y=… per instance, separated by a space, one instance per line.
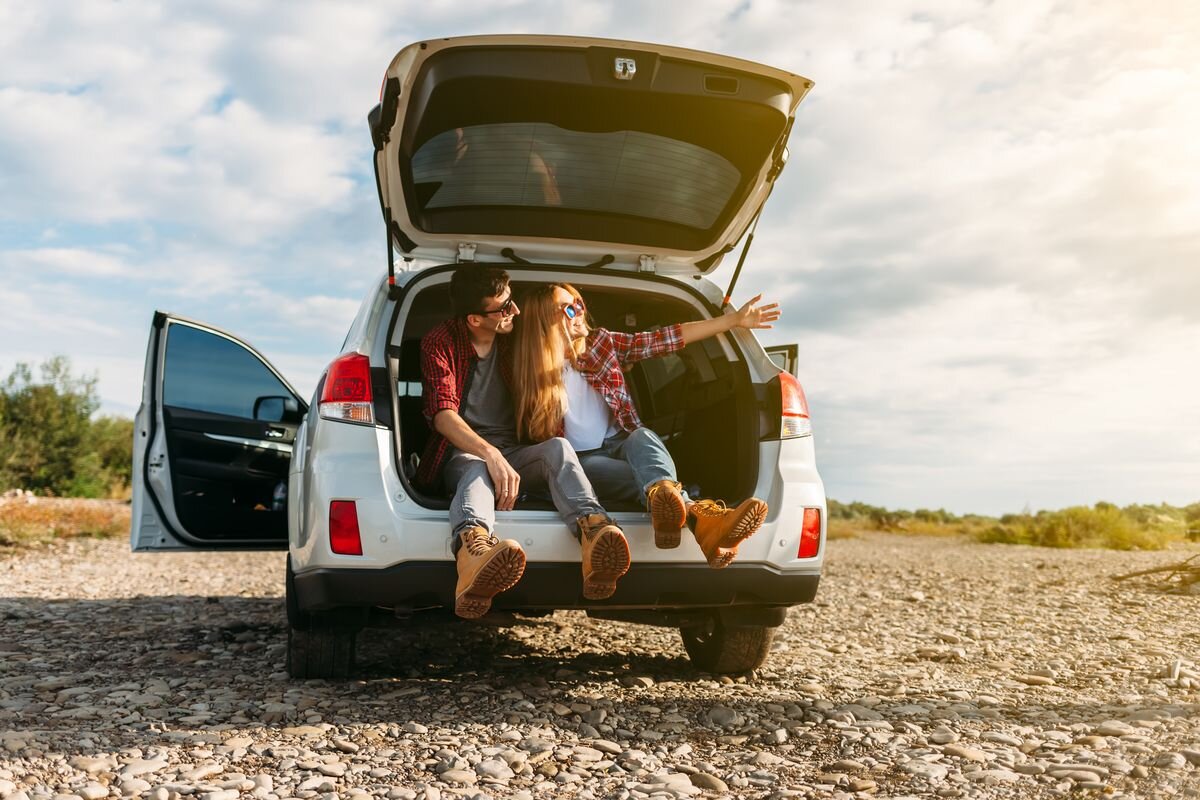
x=486 y=567
x=719 y=530
x=667 y=513
x=605 y=555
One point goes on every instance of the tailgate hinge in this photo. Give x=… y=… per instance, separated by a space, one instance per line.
x=647 y=263
x=466 y=251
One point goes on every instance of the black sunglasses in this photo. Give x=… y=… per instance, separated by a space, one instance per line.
x=506 y=310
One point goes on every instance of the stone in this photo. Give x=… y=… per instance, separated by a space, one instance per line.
x=992 y=776
x=725 y=717
x=92 y=765
x=923 y=769
x=132 y=786
x=458 y=776
x=943 y=735
x=708 y=782
x=494 y=769
x=637 y=681
x=967 y=753
x=1035 y=680
x=1114 y=727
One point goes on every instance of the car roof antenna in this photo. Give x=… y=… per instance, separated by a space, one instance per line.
x=742 y=258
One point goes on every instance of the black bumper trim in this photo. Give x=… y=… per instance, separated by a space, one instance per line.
x=427 y=584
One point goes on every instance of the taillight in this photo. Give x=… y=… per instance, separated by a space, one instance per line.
x=794 y=419
x=810 y=534
x=346 y=395
x=344 y=538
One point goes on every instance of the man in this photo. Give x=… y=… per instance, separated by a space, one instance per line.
x=466 y=372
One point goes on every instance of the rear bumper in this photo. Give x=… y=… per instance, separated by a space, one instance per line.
x=418 y=585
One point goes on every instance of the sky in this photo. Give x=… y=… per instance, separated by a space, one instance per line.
x=986 y=242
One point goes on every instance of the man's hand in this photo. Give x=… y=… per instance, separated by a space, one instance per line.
x=504 y=478
x=752 y=316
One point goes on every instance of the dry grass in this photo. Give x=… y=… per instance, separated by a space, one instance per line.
x=45 y=519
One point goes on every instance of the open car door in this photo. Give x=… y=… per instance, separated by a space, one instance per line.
x=212 y=442
x=785 y=356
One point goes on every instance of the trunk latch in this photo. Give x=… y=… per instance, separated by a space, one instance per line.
x=647 y=263
x=624 y=69
x=466 y=251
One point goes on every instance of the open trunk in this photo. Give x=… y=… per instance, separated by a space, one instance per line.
x=690 y=398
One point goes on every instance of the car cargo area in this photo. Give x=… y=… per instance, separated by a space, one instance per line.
x=699 y=401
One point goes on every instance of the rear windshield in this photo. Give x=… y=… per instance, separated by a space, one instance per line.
x=541 y=165
x=542 y=142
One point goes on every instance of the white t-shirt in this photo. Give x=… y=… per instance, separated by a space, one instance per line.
x=589 y=420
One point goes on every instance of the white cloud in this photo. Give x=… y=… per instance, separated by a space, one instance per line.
x=69 y=261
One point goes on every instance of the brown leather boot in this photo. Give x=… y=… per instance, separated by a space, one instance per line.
x=667 y=513
x=719 y=530
x=486 y=567
x=605 y=555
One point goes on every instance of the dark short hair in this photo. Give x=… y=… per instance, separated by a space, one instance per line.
x=471 y=284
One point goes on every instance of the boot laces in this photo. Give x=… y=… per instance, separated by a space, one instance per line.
x=479 y=541
x=710 y=508
x=589 y=527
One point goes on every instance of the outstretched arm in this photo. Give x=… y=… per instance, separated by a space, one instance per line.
x=748 y=316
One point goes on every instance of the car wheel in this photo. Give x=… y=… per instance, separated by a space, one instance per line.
x=322 y=649
x=721 y=648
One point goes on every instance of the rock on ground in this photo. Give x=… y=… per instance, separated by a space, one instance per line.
x=927 y=667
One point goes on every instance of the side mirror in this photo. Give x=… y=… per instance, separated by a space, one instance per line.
x=276 y=408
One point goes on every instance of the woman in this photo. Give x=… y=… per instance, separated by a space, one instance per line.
x=568 y=381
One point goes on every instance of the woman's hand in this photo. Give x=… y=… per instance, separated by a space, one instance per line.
x=752 y=316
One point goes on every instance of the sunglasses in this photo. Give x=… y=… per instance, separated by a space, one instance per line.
x=574 y=309
x=507 y=310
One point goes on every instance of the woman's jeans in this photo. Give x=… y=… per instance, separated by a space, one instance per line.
x=626 y=465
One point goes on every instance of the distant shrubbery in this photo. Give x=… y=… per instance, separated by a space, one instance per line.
x=845 y=517
x=1135 y=527
x=49 y=442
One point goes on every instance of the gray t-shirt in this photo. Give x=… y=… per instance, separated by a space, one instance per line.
x=488 y=406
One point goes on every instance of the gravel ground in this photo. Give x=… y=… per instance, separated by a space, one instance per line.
x=928 y=667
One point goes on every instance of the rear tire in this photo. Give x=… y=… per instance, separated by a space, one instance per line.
x=720 y=648
x=321 y=650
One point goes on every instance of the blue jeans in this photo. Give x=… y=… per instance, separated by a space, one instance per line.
x=626 y=465
x=548 y=466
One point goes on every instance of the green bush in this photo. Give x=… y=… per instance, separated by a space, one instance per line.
x=49 y=442
x=1104 y=525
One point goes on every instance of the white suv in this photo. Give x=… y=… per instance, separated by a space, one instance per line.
x=626 y=169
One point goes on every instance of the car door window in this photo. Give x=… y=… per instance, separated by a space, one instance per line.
x=207 y=372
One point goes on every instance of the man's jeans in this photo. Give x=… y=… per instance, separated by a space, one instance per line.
x=627 y=464
x=551 y=465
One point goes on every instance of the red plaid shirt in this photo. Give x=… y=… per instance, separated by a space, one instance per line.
x=447 y=356
x=607 y=351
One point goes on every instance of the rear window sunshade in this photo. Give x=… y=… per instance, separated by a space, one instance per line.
x=542 y=165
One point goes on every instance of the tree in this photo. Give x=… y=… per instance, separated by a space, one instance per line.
x=48 y=440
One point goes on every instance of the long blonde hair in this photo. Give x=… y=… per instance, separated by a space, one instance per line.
x=542 y=348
